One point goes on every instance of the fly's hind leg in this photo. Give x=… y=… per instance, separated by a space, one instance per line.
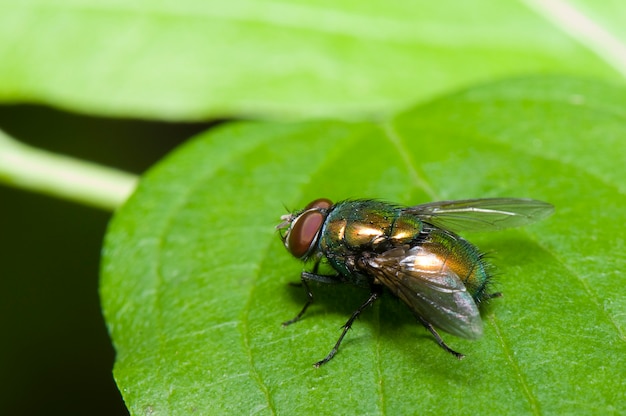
x=374 y=295
x=438 y=338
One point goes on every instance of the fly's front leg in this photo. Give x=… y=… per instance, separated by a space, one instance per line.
x=309 y=301
x=305 y=277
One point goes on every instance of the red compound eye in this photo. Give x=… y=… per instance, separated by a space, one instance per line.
x=321 y=203
x=304 y=232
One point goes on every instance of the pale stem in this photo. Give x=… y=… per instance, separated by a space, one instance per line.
x=37 y=170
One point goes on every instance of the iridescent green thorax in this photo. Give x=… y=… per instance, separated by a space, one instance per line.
x=372 y=225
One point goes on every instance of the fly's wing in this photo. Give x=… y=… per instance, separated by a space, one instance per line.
x=430 y=288
x=485 y=214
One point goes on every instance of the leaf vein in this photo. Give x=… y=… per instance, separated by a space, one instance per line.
x=517 y=371
x=417 y=177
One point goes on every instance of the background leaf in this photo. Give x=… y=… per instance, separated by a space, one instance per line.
x=195 y=279
x=199 y=59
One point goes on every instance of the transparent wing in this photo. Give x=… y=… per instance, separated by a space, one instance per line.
x=430 y=288
x=485 y=214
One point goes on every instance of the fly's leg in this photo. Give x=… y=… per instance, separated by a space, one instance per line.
x=373 y=297
x=309 y=301
x=304 y=278
x=438 y=338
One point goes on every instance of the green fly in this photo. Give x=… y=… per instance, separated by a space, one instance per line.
x=413 y=252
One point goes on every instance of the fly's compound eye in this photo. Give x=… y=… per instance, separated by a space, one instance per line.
x=322 y=203
x=303 y=233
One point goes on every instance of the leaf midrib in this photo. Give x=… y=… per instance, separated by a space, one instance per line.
x=582 y=29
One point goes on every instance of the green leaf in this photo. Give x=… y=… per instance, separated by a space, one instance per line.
x=194 y=59
x=195 y=278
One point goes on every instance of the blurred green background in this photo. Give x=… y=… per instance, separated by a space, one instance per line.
x=57 y=358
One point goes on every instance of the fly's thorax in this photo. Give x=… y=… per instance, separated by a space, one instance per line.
x=354 y=226
x=462 y=257
x=351 y=225
x=367 y=229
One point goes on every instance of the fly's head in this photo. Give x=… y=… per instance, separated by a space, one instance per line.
x=301 y=231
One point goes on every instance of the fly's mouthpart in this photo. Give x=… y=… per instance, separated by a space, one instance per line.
x=286 y=221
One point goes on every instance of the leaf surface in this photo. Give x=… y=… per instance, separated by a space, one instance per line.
x=195 y=278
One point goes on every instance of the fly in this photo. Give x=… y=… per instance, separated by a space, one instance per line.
x=413 y=252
